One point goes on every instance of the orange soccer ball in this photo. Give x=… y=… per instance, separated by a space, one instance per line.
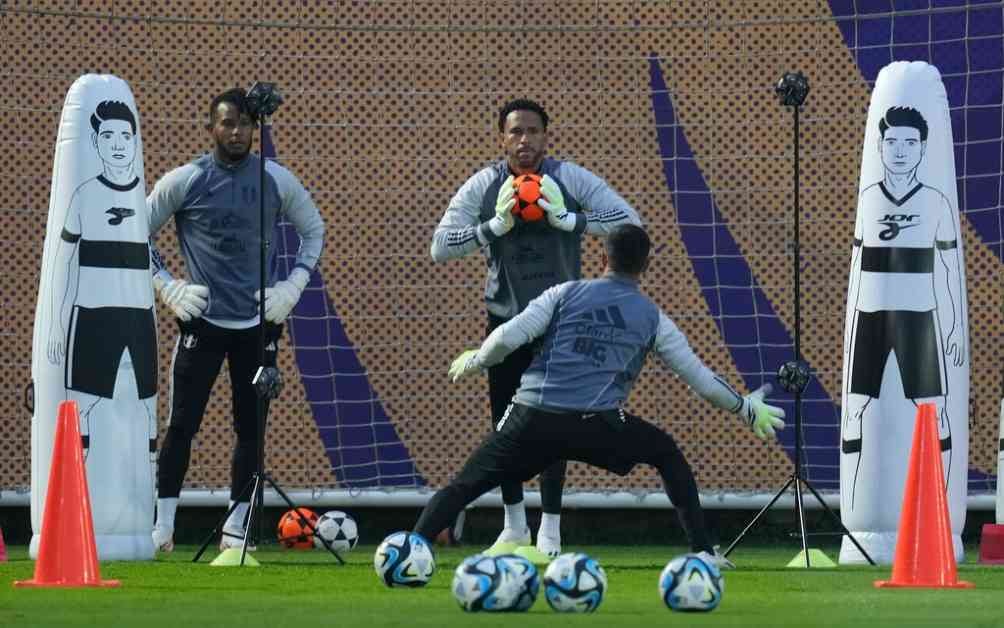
x=527 y=194
x=293 y=532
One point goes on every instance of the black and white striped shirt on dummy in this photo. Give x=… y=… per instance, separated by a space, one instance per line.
x=533 y=256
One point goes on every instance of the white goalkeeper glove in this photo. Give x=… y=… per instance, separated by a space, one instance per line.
x=464 y=364
x=186 y=300
x=553 y=202
x=762 y=417
x=281 y=298
x=502 y=222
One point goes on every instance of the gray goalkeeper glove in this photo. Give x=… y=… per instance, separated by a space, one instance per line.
x=553 y=202
x=464 y=364
x=186 y=300
x=502 y=222
x=762 y=417
x=281 y=298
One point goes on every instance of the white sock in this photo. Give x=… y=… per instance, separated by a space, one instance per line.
x=236 y=519
x=166 y=508
x=515 y=517
x=550 y=526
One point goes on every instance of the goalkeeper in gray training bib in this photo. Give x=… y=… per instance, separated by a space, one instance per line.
x=215 y=204
x=592 y=338
x=524 y=259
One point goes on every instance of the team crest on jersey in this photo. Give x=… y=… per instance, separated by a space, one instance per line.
x=118 y=214
x=189 y=341
x=894 y=223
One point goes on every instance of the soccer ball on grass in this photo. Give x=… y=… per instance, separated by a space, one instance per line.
x=293 y=531
x=528 y=576
x=574 y=583
x=690 y=583
x=484 y=583
x=338 y=529
x=404 y=559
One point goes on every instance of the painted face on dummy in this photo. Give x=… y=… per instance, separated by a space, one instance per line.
x=902 y=149
x=524 y=141
x=116 y=143
x=231 y=131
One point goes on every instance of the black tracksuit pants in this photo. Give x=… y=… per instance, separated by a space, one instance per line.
x=199 y=354
x=503 y=381
x=529 y=440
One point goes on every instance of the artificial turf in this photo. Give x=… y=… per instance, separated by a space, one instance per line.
x=305 y=588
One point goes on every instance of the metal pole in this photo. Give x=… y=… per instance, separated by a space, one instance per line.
x=262 y=406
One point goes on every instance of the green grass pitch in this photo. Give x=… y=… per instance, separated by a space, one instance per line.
x=305 y=588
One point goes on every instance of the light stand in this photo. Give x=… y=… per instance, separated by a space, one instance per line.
x=794 y=375
x=263 y=101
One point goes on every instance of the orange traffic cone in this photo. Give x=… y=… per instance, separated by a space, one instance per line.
x=67 y=556
x=924 y=555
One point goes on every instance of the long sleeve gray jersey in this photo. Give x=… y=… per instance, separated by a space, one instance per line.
x=593 y=338
x=533 y=256
x=216 y=213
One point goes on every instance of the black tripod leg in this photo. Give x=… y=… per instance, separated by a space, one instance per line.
x=219 y=524
x=303 y=520
x=840 y=523
x=801 y=519
x=254 y=508
x=763 y=510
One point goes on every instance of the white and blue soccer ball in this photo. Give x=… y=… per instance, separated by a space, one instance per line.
x=404 y=559
x=574 y=583
x=528 y=576
x=690 y=583
x=338 y=529
x=482 y=583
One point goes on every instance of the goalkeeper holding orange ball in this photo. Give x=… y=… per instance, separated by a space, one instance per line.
x=525 y=258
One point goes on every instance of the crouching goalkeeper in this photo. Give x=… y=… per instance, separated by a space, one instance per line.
x=593 y=337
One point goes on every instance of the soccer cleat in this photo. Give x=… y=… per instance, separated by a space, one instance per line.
x=533 y=555
x=508 y=542
x=717 y=559
x=233 y=537
x=548 y=545
x=163 y=539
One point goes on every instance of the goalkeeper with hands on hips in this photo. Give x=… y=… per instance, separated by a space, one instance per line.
x=215 y=204
x=525 y=259
x=593 y=337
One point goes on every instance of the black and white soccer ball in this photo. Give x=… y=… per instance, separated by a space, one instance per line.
x=404 y=559
x=483 y=583
x=338 y=529
x=690 y=583
x=528 y=576
x=574 y=583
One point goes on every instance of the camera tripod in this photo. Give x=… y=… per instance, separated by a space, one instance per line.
x=794 y=375
x=263 y=100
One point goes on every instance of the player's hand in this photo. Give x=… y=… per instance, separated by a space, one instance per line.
x=54 y=348
x=954 y=351
x=762 y=417
x=281 y=298
x=503 y=221
x=553 y=202
x=464 y=364
x=186 y=300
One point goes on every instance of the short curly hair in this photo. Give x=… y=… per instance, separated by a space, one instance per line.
x=521 y=104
